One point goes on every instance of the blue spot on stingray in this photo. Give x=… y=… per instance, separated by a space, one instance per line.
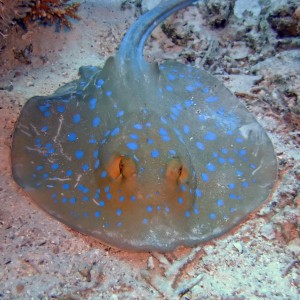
x=232 y=209
x=66 y=186
x=60 y=109
x=171 y=77
x=64 y=200
x=72 y=200
x=169 y=88
x=221 y=160
x=115 y=131
x=231 y=160
x=55 y=166
x=190 y=88
x=239 y=173
x=198 y=193
x=120 y=113
x=162 y=131
x=196 y=211
x=204 y=177
x=92 y=140
x=103 y=174
x=72 y=137
x=85 y=198
x=108 y=196
x=155 y=153
x=134 y=136
x=76 y=118
x=38 y=142
x=212 y=216
x=121 y=198
x=210 y=167
x=79 y=154
x=239 y=140
x=163 y=120
x=83 y=189
x=108 y=93
x=187 y=214
x=145 y=221
x=44 y=108
x=150 y=141
x=245 y=184
x=97 y=163
x=132 y=146
x=220 y=202
x=243 y=152
x=202 y=118
x=69 y=173
x=39 y=168
x=85 y=167
x=175 y=111
x=210 y=136
x=133 y=198
x=97 y=214
x=96 y=153
x=167 y=209
x=101 y=203
x=186 y=129
x=85 y=214
x=44 y=128
x=96 y=122
x=45 y=175
x=138 y=126
x=224 y=150
x=252 y=166
x=93 y=102
x=149 y=208
x=119 y=212
x=165 y=138
x=172 y=152
x=47 y=114
x=183 y=187
x=188 y=103
x=99 y=83
x=211 y=99
x=180 y=200
x=231 y=185
x=200 y=146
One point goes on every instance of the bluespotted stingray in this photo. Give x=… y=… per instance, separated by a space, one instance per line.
x=143 y=156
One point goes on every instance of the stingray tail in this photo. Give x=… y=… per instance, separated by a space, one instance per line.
x=131 y=48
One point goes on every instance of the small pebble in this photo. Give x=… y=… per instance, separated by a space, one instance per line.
x=29 y=83
x=150 y=263
x=239 y=247
x=267 y=231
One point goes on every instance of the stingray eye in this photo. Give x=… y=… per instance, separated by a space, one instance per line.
x=176 y=170
x=120 y=165
x=113 y=166
x=127 y=167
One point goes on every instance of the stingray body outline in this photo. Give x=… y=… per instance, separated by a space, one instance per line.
x=143 y=156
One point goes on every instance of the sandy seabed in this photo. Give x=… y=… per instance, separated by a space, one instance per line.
x=41 y=258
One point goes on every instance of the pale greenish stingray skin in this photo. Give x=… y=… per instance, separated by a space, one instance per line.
x=151 y=114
